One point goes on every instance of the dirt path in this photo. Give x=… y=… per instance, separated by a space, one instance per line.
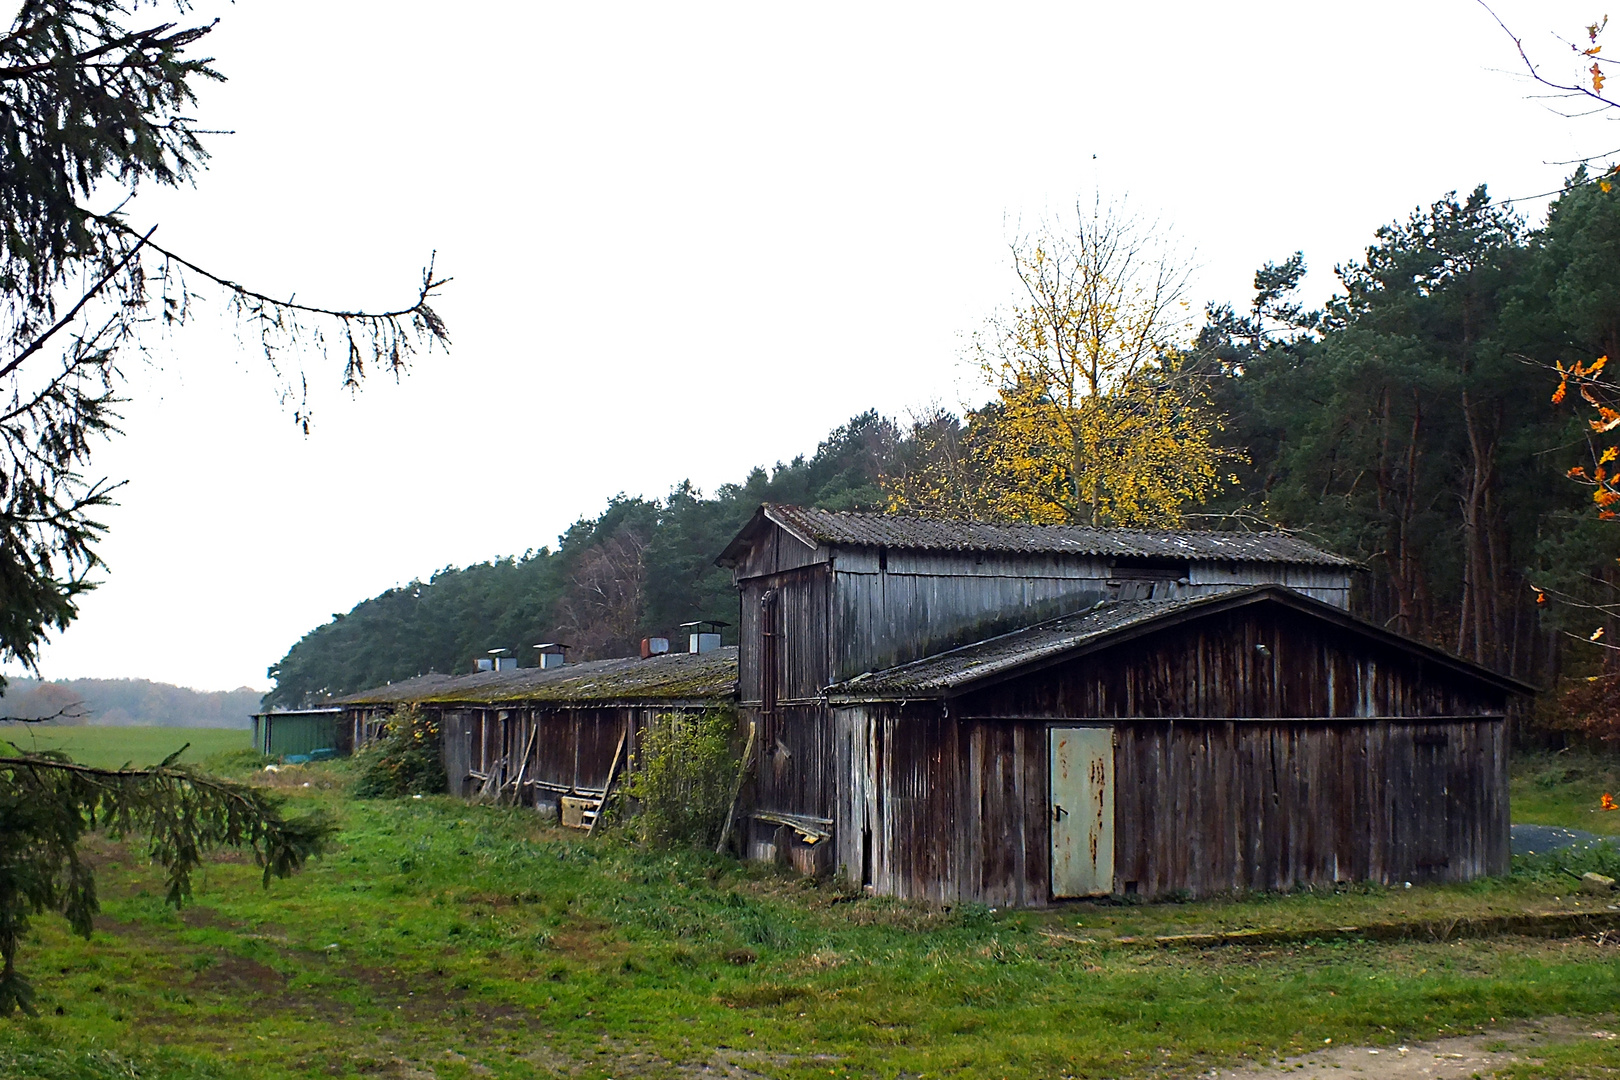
x=1458 y=1058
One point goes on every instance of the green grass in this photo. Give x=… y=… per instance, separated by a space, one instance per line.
x=110 y=747
x=450 y=940
x=1564 y=788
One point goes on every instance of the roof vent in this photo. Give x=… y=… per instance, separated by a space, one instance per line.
x=704 y=636
x=501 y=660
x=654 y=646
x=553 y=654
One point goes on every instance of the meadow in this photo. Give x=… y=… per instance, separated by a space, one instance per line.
x=111 y=747
x=442 y=939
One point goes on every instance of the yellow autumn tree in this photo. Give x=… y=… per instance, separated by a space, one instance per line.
x=1096 y=420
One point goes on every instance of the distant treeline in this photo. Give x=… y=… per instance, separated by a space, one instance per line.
x=1407 y=423
x=127 y=703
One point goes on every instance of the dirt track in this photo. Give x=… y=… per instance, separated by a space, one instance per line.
x=1457 y=1058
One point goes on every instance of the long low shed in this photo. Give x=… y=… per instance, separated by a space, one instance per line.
x=1256 y=739
x=291 y=732
x=538 y=736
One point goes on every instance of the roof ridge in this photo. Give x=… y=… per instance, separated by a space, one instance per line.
x=1276 y=530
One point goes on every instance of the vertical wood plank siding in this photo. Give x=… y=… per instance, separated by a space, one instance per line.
x=1213 y=667
x=937 y=809
x=569 y=750
x=1328 y=760
x=957 y=810
x=1206 y=807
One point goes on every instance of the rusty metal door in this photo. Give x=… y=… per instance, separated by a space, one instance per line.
x=1082 y=793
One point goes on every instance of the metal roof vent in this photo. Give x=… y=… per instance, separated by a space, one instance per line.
x=553 y=654
x=502 y=660
x=704 y=636
x=654 y=646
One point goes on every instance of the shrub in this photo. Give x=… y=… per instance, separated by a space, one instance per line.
x=407 y=761
x=686 y=771
x=1568 y=864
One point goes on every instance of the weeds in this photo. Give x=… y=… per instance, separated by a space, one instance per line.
x=684 y=778
x=407 y=761
x=515 y=951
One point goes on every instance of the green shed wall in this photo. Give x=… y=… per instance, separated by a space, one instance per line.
x=283 y=735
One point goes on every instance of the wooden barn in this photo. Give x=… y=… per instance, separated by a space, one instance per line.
x=552 y=737
x=1021 y=714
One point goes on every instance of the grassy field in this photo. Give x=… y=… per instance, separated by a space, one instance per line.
x=448 y=940
x=110 y=747
x=1565 y=788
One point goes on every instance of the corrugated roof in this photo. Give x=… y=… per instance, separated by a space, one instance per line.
x=671 y=677
x=955 y=670
x=948 y=670
x=937 y=534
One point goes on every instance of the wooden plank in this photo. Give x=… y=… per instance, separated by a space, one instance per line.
x=736 y=787
x=607 y=789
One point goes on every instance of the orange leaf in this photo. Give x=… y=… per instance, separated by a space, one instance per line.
x=1577 y=473
x=1596 y=634
x=1558 y=394
x=1597 y=365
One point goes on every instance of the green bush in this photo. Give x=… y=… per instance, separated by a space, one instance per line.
x=406 y=761
x=1567 y=864
x=684 y=778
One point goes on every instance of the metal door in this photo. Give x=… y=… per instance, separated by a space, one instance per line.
x=1082 y=811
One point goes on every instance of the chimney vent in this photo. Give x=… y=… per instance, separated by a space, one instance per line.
x=704 y=635
x=500 y=660
x=553 y=654
x=654 y=646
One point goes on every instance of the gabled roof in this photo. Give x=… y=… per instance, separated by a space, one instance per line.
x=817 y=527
x=630 y=680
x=1109 y=623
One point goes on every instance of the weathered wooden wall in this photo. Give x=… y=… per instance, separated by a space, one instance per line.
x=1214 y=667
x=1205 y=807
x=843 y=611
x=931 y=808
x=1324 y=758
x=569 y=750
x=947 y=810
x=800 y=616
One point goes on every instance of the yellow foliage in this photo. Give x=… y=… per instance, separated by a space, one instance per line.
x=1095 y=419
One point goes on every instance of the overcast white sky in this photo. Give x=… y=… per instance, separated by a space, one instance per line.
x=688 y=239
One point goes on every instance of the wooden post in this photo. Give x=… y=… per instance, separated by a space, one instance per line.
x=523 y=767
x=612 y=772
x=736 y=788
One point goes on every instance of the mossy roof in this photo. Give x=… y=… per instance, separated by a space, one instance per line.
x=710 y=676
x=904 y=532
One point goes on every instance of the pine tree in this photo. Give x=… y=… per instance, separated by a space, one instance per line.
x=48 y=803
